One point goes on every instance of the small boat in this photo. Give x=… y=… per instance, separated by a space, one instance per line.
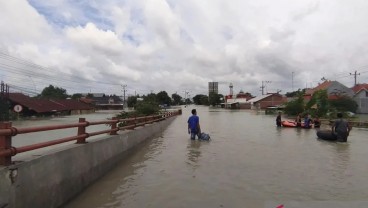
x=326 y=135
x=289 y=123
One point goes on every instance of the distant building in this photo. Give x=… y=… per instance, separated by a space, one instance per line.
x=36 y=106
x=102 y=101
x=361 y=97
x=212 y=87
x=265 y=101
x=238 y=101
x=334 y=90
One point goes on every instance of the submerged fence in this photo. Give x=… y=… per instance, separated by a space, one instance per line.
x=7 y=132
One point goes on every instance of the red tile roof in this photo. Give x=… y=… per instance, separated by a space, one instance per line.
x=321 y=86
x=359 y=87
x=43 y=105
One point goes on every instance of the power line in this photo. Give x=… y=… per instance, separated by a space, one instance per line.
x=20 y=69
x=27 y=63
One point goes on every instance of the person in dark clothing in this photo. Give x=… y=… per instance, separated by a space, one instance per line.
x=278 y=120
x=307 y=121
x=316 y=122
x=193 y=125
x=341 y=129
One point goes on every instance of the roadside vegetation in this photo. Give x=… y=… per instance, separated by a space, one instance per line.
x=319 y=105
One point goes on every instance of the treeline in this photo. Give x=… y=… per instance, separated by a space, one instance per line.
x=319 y=105
x=162 y=98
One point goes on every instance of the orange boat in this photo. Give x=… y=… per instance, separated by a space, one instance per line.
x=289 y=123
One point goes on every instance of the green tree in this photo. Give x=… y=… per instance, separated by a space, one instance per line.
x=132 y=101
x=318 y=104
x=201 y=99
x=343 y=104
x=145 y=108
x=187 y=101
x=197 y=99
x=76 y=96
x=163 y=98
x=214 y=98
x=52 y=92
x=296 y=106
x=205 y=100
x=177 y=99
x=150 y=98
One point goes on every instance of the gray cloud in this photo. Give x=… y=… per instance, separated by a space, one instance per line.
x=181 y=45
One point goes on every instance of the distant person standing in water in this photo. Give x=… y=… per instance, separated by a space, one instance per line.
x=278 y=120
x=341 y=128
x=307 y=121
x=298 y=120
x=317 y=122
x=193 y=125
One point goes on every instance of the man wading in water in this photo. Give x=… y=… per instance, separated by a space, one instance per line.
x=193 y=125
x=341 y=128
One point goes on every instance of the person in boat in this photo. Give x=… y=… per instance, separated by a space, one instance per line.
x=341 y=128
x=193 y=125
x=278 y=120
x=298 y=121
x=316 y=122
x=307 y=121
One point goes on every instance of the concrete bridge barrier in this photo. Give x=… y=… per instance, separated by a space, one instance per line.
x=57 y=176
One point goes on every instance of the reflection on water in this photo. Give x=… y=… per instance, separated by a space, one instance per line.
x=248 y=163
x=194 y=152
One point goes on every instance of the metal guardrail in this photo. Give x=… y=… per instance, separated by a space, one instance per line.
x=7 y=131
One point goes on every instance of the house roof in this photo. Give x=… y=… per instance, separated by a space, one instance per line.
x=44 y=105
x=70 y=104
x=38 y=105
x=236 y=100
x=86 y=100
x=334 y=89
x=359 y=87
x=321 y=86
x=258 y=98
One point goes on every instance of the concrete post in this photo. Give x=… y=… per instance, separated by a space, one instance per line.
x=5 y=143
x=81 y=131
x=114 y=126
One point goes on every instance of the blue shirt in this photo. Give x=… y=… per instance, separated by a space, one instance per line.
x=193 y=122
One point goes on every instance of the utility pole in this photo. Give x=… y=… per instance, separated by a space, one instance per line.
x=186 y=96
x=4 y=102
x=124 y=90
x=186 y=93
x=264 y=86
x=355 y=77
x=292 y=81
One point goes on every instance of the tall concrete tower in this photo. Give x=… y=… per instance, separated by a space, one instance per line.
x=212 y=87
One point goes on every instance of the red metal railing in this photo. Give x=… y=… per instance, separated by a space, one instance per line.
x=7 y=131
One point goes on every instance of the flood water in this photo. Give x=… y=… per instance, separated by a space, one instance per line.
x=43 y=136
x=248 y=163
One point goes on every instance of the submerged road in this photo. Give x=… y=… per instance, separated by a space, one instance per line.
x=248 y=163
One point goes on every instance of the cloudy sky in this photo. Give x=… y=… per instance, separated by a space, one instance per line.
x=177 y=46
